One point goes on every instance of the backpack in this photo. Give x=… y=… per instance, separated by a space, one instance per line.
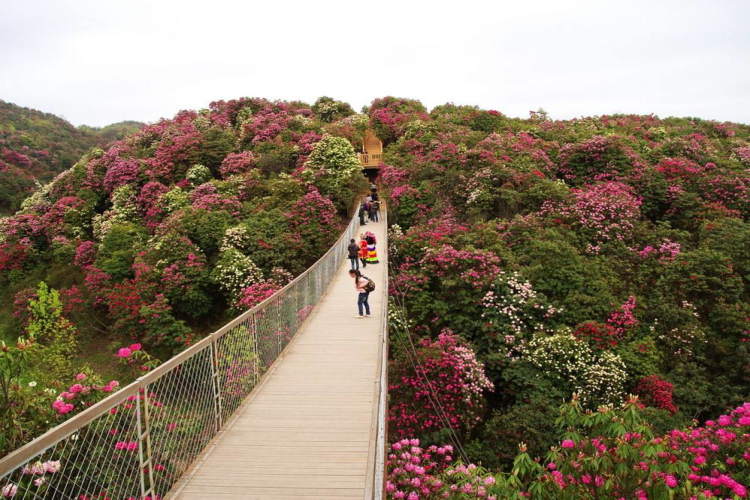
x=370 y=286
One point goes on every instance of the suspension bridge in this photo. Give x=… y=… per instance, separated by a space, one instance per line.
x=287 y=401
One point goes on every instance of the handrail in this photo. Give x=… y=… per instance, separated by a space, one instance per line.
x=139 y=441
x=370 y=159
x=382 y=406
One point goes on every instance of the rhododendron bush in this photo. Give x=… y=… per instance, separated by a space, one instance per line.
x=164 y=235
x=599 y=256
x=608 y=453
x=445 y=369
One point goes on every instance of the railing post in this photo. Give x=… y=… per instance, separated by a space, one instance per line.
x=256 y=351
x=145 y=458
x=278 y=327
x=214 y=362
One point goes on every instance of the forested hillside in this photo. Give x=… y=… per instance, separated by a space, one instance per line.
x=534 y=260
x=142 y=248
x=35 y=146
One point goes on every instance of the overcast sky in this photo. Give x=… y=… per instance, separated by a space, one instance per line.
x=96 y=62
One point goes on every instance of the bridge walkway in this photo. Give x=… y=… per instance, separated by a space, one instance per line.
x=308 y=431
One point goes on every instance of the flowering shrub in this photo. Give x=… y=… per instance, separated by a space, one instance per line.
x=605 y=211
x=234 y=272
x=597 y=379
x=609 y=453
x=389 y=115
x=599 y=336
x=198 y=174
x=413 y=472
x=447 y=370
x=656 y=392
x=237 y=163
x=256 y=293
x=311 y=220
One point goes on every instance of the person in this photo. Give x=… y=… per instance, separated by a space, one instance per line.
x=375 y=196
x=373 y=187
x=374 y=207
x=372 y=254
x=367 y=209
x=353 y=253
x=363 y=250
x=360 y=282
x=362 y=215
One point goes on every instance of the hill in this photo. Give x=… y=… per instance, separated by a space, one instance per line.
x=160 y=238
x=534 y=260
x=35 y=146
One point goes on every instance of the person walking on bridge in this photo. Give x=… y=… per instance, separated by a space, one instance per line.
x=353 y=249
x=361 y=214
x=362 y=285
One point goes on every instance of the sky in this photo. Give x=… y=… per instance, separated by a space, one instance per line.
x=97 y=62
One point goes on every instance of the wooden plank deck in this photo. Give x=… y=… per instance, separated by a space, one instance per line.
x=307 y=432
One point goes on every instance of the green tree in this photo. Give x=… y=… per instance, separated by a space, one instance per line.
x=55 y=334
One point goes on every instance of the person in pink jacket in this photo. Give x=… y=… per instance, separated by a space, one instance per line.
x=360 y=282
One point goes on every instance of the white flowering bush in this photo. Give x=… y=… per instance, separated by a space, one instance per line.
x=124 y=209
x=597 y=378
x=335 y=157
x=234 y=272
x=235 y=237
x=174 y=200
x=198 y=174
x=514 y=311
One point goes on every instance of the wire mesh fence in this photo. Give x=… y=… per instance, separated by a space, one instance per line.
x=137 y=443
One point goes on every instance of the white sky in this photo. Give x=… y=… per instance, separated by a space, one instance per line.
x=102 y=61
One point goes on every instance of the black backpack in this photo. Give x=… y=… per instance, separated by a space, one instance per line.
x=370 y=286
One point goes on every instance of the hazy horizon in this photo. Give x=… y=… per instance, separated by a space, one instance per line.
x=97 y=64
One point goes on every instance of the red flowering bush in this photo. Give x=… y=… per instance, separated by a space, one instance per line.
x=656 y=392
x=599 y=336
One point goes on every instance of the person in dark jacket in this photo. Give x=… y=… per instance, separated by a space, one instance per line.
x=362 y=215
x=374 y=207
x=353 y=253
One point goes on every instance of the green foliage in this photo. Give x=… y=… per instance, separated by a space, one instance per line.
x=267 y=239
x=530 y=422
x=207 y=229
x=118 y=250
x=330 y=110
x=54 y=333
x=21 y=414
x=215 y=145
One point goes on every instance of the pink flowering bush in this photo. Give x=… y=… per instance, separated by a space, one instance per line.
x=606 y=212
x=389 y=115
x=237 y=163
x=311 y=220
x=448 y=370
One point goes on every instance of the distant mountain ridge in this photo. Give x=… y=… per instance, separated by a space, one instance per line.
x=35 y=146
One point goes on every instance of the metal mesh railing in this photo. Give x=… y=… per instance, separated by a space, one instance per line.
x=139 y=442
